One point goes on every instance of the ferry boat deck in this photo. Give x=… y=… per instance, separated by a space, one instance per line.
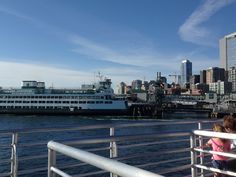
x=176 y=153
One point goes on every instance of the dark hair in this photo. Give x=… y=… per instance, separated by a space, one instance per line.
x=229 y=122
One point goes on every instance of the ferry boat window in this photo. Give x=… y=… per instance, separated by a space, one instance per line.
x=90 y=102
x=40 y=97
x=102 y=97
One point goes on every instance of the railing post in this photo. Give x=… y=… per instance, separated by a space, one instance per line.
x=14 y=158
x=51 y=162
x=193 y=154
x=113 y=148
x=201 y=145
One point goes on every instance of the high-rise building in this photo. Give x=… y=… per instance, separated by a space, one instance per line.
x=203 y=77
x=232 y=78
x=220 y=87
x=214 y=74
x=194 y=79
x=185 y=71
x=136 y=84
x=227 y=51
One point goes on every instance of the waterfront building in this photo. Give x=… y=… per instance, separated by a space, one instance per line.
x=203 y=77
x=213 y=74
x=128 y=89
x=194 y=79
x=121 y=89
x=232 y=77
x=186 y=71
x=136 y=84
x=203 y=87
x=145 y=85
x=227 y=51
x=220 y=87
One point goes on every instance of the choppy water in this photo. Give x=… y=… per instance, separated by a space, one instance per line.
x=21 y=122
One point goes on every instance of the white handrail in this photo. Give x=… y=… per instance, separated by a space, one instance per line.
x=194 y=149
x=106 y=164
x=215 y=134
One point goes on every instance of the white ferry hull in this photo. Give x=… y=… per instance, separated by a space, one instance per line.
x=65 y=111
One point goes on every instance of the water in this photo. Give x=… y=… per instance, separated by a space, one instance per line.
x=21 y=122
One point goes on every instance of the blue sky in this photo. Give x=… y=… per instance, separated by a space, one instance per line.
x=66 y=43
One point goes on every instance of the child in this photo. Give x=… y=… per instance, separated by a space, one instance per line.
x=229 y=124
x=219 y=145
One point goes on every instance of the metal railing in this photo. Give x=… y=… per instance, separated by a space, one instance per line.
x=107 y=164
x=27 y=146
x=198 y=150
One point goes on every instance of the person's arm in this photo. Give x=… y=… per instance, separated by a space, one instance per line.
x=209 y=143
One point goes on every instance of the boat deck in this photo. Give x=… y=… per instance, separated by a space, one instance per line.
x=145 y=146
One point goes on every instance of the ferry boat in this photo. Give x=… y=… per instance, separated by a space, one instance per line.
x=34 y=98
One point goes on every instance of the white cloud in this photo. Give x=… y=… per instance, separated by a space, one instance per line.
x=13 y=73
x=193 y=30
x=139 y=57
x=12 y=12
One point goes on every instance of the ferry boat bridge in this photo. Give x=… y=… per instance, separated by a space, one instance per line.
x=176 y=153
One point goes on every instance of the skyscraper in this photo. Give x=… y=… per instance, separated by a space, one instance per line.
x=228 y=51
x=214 y=74
x=185 y=71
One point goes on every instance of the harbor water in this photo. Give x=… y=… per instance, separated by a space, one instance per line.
x=9 y=122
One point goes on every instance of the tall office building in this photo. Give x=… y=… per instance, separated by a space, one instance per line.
x=232 y=78
x=228 y=51
x=203 y=77
x=136 y=84
x=214 y=74
x=185 y=71
x=194 y=79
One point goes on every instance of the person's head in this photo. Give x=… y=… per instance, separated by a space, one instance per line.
x=218 y=128
x=229 y=124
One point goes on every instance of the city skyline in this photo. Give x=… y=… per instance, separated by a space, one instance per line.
x=66 y=43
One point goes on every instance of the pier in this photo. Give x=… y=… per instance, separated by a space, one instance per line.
x=153 y=110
